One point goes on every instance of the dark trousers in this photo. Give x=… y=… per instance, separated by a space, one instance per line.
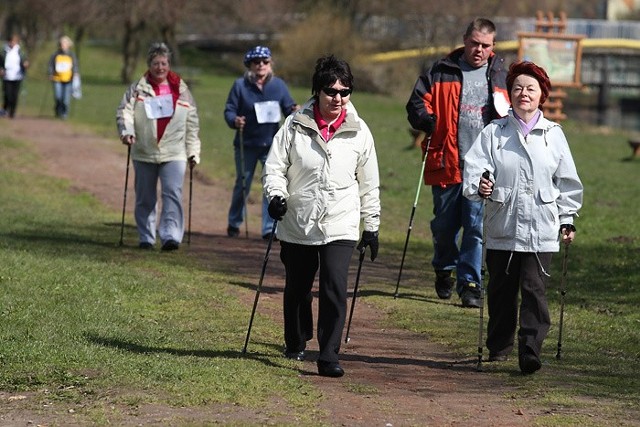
x=301 y=263
x=510 y=272
x=11 y=90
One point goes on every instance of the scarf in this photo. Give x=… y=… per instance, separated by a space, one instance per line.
x=174 y=84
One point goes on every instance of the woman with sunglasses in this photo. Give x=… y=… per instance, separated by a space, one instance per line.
x=255 y=105
x=321 y=178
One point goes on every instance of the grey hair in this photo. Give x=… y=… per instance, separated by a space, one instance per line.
x=158 y=49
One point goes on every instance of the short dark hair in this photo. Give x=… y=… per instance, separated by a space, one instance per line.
x=330 y=69
x=482 y=25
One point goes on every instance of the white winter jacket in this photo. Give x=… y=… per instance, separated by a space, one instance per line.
x=328 y=186
x=536 y=186
x=180 y=140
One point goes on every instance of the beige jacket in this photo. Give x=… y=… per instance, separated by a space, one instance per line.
x=180 y=140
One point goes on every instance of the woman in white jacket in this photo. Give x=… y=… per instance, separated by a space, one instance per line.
x=533 y=195
x=321 y=178
x=157 y=118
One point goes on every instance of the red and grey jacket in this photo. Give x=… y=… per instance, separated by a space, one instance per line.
x=434 y=108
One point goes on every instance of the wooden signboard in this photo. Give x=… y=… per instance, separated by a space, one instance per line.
x=559 y=54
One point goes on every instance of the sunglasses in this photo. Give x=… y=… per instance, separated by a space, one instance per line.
x=333 y=92
x=259 y=61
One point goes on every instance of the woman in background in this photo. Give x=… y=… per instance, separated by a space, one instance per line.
x=158 y=119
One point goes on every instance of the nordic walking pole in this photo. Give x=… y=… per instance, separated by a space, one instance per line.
x=485 y=175
x=124 y=203
x=255 y=301
x=413 y=212
x=244 y=185
x=191 y=165
x=563 y=292
x=355 y=293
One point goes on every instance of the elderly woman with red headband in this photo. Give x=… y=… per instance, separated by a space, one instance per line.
x=533 y=194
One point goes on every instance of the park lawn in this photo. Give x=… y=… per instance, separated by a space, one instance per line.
x=601 y=338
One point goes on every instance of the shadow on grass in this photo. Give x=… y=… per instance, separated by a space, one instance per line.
x=137 y=348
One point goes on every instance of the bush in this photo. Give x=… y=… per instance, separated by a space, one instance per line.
x=321 y=33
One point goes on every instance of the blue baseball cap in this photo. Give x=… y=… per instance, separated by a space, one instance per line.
x=256 y=53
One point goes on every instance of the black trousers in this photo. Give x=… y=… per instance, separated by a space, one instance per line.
x=301 y=264
x=11 y=91
x=510 y=272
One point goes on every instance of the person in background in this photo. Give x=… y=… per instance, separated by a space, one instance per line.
x=321 y=179
x=451 y=102
x=255 y=105
x=13 y=67
x=63 y=66
x=158 y=119
x=533 y=194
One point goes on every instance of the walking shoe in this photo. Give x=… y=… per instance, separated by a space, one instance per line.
x=295 y=355
x=330 y=369
x=470 y=296
x=529 y=363
x=444 y=284
x=498 y=358
x=145 y=245
x=233 y=231
x=267 y=236
x=170 y=245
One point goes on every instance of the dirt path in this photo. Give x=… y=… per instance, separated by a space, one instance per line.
x=408 y=380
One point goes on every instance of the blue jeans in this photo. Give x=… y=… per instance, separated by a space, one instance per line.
x=62 y=98
x=171 y=176
x=236 y=211
x=452 y=211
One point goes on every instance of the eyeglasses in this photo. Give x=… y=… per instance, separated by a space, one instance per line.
x=259 y=61
x=333 y=92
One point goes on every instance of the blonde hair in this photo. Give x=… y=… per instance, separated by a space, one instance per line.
x=66 y=40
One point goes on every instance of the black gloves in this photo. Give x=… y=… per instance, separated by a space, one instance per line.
x=429 y=124
x=369 y=238
x=277 y=208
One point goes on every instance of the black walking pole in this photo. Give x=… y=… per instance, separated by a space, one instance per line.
x=244 y=185
x=413 y=212
x=355 y=293
x=255 y=301
x=563 y=292
x=124 y=203
x=485 y=175
x=190 y=198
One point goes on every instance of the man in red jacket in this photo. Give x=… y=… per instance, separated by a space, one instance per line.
x=452 y=101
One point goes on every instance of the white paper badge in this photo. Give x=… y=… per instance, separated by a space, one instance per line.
x=501 y=104
x=158 y=107
x=267 y=111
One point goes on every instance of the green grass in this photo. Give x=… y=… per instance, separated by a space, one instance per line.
x=80 y=317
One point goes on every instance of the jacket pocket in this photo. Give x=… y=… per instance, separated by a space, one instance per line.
x=498 y=218
x=548 y=221
x=435 y=159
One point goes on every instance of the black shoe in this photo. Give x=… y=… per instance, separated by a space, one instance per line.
x=470 y=296
x=295 y=355
x=444 y=284
x=498 y=358
x=529 y=363
x=330 y=369
x=170 y=245
x=233 y=231
x=267 y=236
x=145 y=245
